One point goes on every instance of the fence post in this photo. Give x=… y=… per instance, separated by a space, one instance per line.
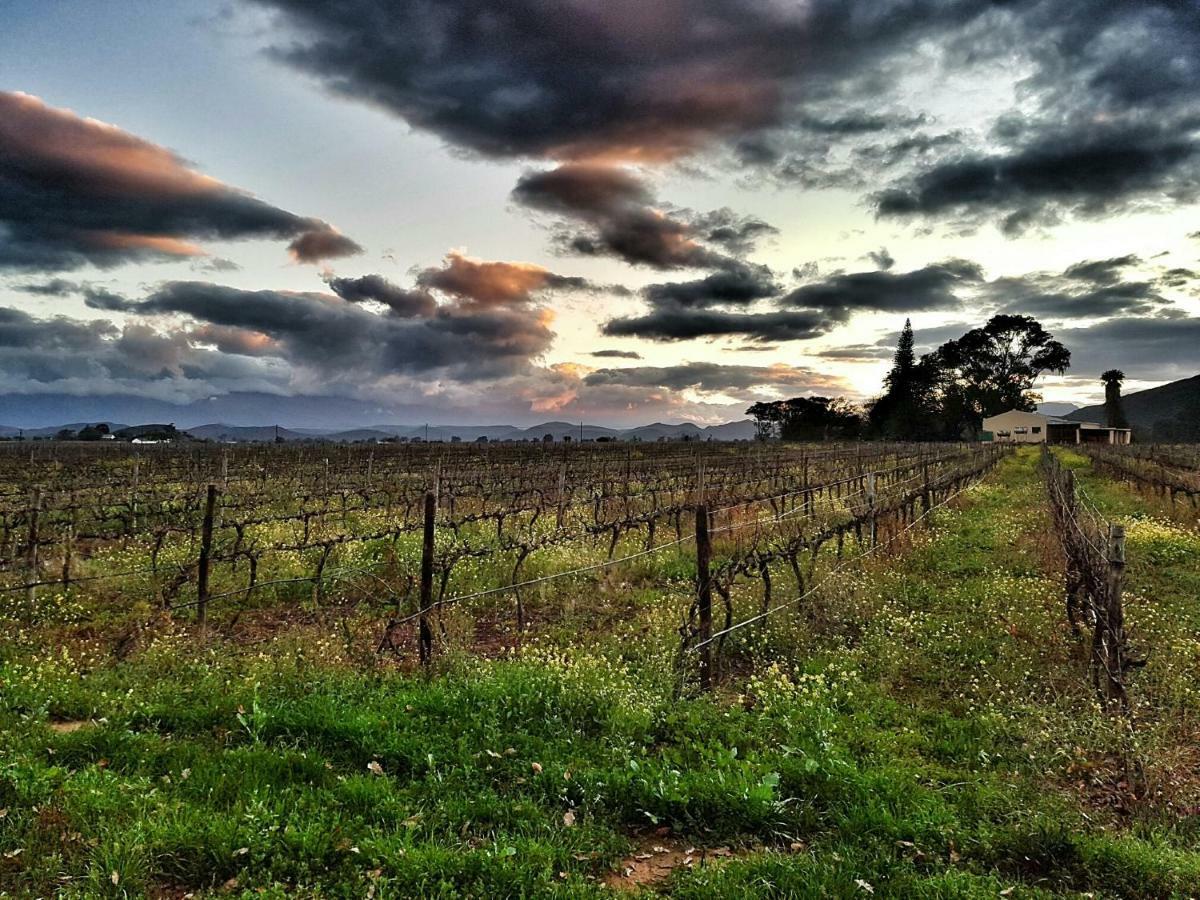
x=133 y=497
x=68 y=552
x=206 y=534
x=925 y=502
x=871 y=504
x=425 y=634
x=808 y=504
x=562 y=492
x=1115 y=617
x=31 y=555
x=704 y=594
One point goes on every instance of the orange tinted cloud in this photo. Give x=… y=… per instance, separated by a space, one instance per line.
x=109 y=159
x=493 y=283
x=76 y=191
x=168 y=246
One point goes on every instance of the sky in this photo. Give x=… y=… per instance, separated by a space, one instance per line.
x=621 y=212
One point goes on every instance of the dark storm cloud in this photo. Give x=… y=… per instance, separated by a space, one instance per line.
x=1098 y=303
x=102 y=298
x=1108 y=121
x=75 y=191
x=736 y=233
x=615 y=354
x=740 y=285
x=346 y=340
x=93 y=296
x=375 y=288
x=903 y=149
x=622 y=79
x=1090 y=289
x=1178 y=277
x=95 y=357
x=523 y=78
x=1101 y=271
x=1146 y=348
x=55 y=287
x=711 y=377
x=932 y=287
x=611 y=212
x=859 y=352
x=678 y=324
x=857 y=122
x=1086 y=172
x=683 y=310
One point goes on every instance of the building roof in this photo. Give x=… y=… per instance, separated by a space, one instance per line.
x=1059 y=420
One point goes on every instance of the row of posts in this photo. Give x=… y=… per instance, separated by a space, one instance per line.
x=425 y=632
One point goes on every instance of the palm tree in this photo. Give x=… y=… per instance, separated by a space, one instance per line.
x=1114 y=410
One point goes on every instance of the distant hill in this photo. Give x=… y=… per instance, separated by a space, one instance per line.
x=243 y=432
x=260 y=433
x=730 y=431
x=1165 y=413
x=1056 y=408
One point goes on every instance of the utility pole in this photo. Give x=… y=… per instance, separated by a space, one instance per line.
x=581 y=431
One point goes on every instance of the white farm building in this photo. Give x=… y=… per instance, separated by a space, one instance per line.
x=1019 y=427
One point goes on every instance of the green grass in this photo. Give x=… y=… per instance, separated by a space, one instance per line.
x=921 y=729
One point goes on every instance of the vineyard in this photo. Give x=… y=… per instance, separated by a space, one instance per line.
x=944 y=670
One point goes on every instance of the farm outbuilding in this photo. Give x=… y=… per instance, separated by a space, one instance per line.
x=1019 y=427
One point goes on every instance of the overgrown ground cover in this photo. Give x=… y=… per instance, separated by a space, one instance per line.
x=924 y=728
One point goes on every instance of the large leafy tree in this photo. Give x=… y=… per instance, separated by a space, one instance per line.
x=992 y=369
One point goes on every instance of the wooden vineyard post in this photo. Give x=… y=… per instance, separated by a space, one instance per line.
x=31 y=554
x=871 y=506
x=424 y=632
x=704 y=594
x=808 y=507
x=562 y=493
x=206 y=534
x=133 y=498
x=219 y=520
x=68 y=552
x=1113 y=650
x=925 y=502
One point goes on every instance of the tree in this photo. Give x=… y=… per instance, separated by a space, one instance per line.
x=1114 y=409
x=768 y=416
x=904 y=411
x=993 y=369
x=808 y=418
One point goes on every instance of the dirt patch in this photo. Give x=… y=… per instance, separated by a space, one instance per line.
x=656 y=857
x=69 y=725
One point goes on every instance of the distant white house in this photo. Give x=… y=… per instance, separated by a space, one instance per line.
x=1019 y=427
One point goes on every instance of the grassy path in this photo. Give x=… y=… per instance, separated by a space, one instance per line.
x=925 y=730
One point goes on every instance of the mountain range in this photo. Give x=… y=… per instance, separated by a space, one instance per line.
x=730 y=431
x=1167 y=412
